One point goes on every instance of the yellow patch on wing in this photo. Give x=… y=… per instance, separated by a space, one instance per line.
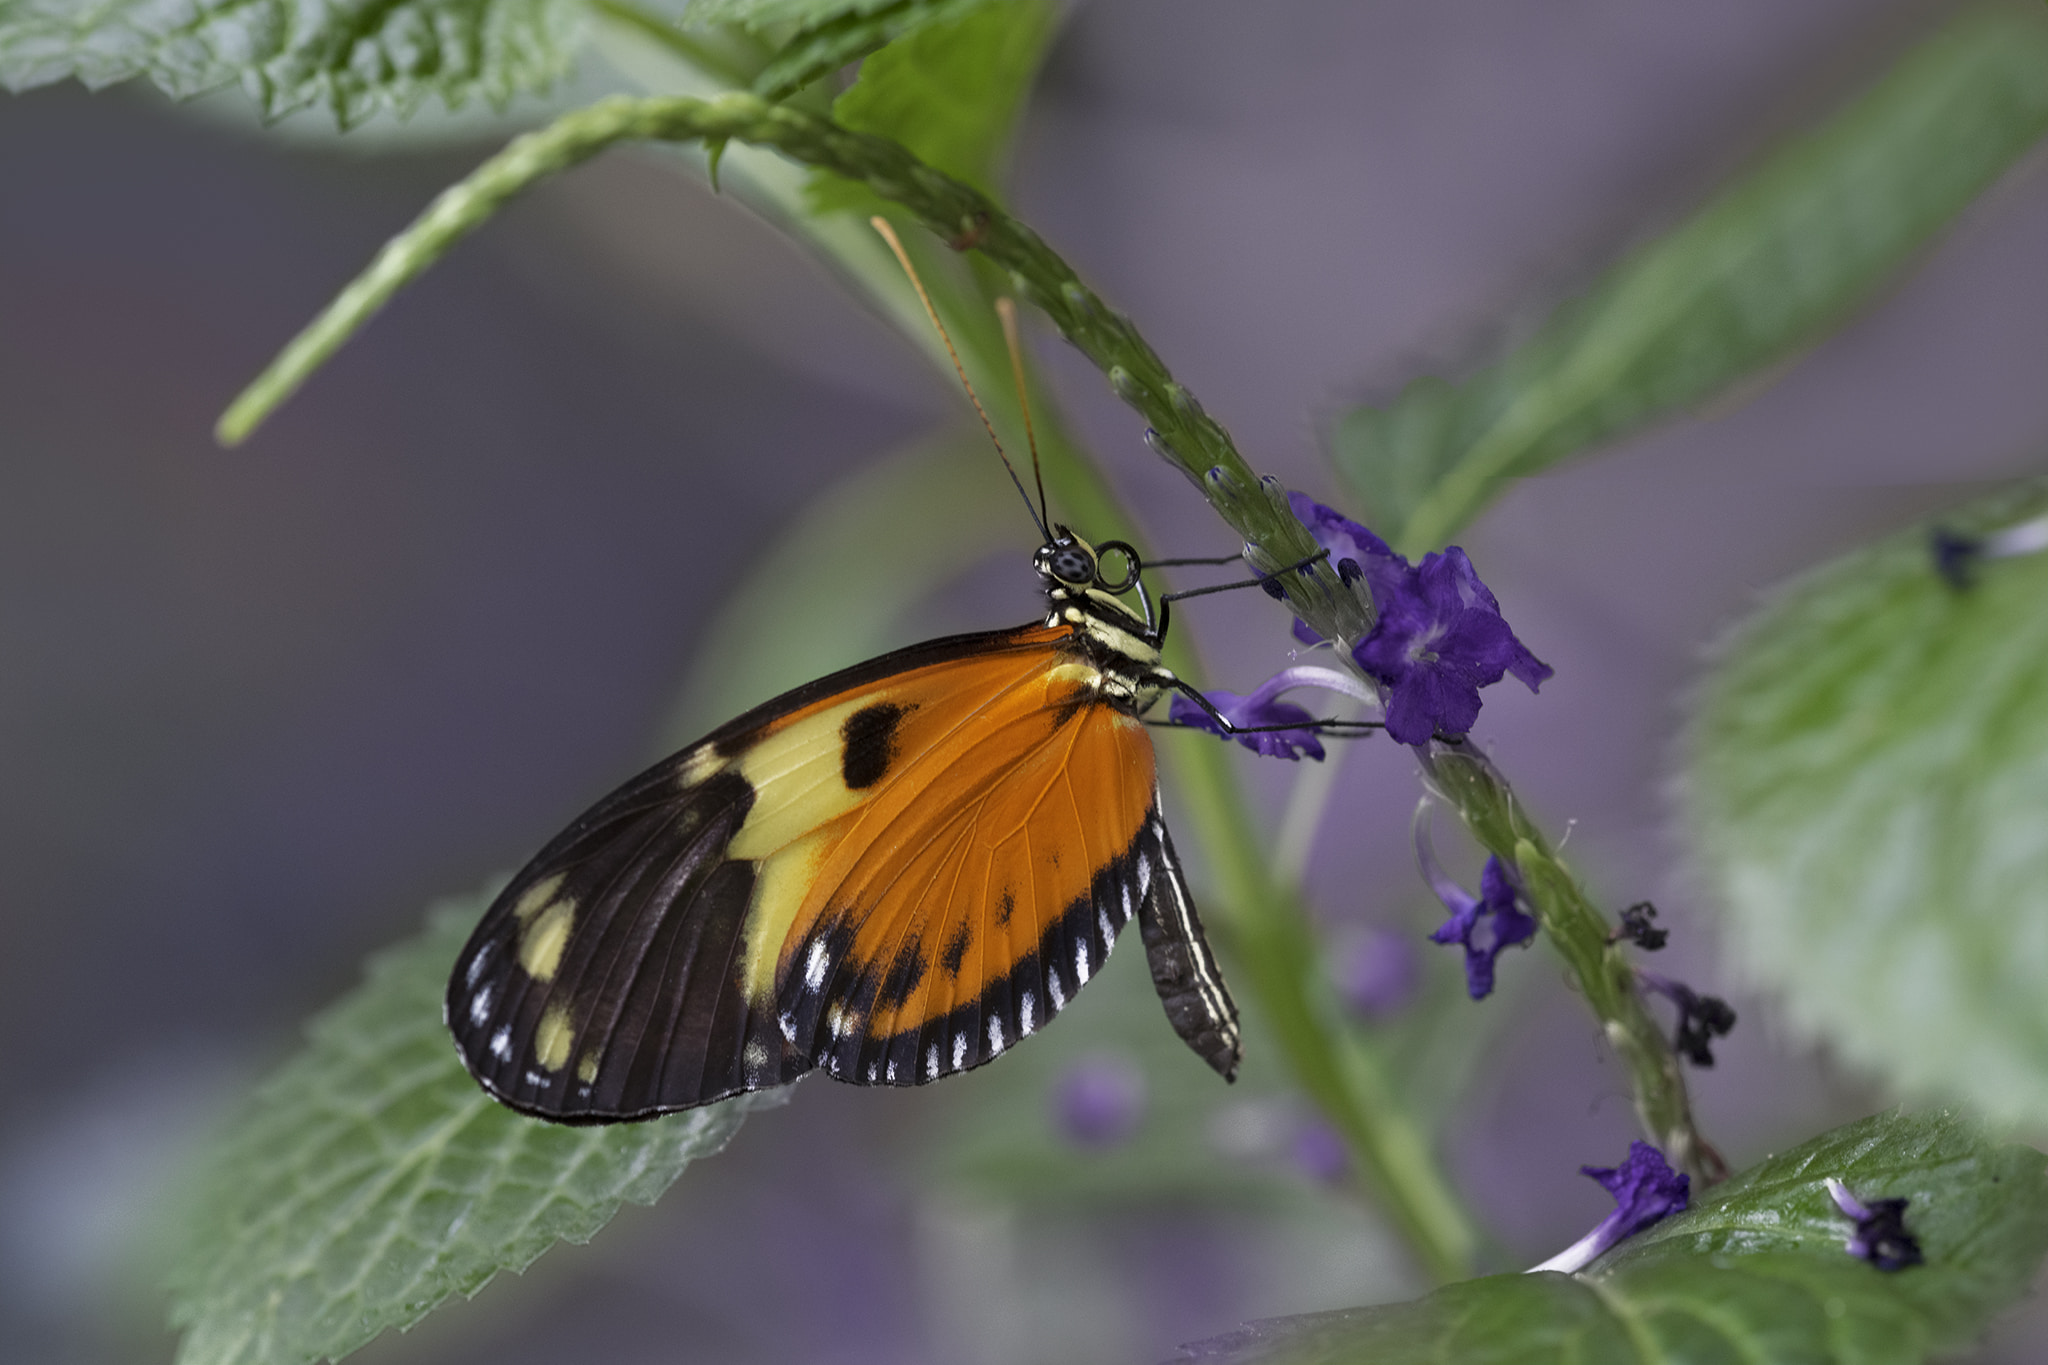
x=536 y=896
x=782 y=882
x=586 y=1068
x=798 y=775
x=541 y=941
x=699 y=764
x=553 y=1038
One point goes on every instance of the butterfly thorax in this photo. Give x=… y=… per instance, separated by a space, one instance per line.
x=1120 y=645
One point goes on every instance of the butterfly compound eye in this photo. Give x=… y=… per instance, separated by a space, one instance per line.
x=1071 y=565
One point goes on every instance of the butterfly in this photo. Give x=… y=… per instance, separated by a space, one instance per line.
x=894 y=873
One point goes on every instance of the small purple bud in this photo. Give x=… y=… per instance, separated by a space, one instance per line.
x=1637 y=928
x=1099 y=1101
x=1377 y=973
x=1318 y=1151
x=1880 y=1236
x=1957 y=557
x=1646 y=1190
x=1701 y=1018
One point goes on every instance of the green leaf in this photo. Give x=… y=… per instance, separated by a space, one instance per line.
x=950 y=92
x=1868 y=782
x=1754 y=1272
x=758 y=14
x=370 y=1179
x=1762 y=272
x=353 y=57
x=821 y=49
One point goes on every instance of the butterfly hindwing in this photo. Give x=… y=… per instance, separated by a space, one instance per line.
x=893 y=873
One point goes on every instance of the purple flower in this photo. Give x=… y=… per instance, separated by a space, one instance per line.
x=1367 y=555
x=1645 y=1190
x=1356 y=552
x=1880 y=1236
x=1099 y=1101
x=1701 y=1018
x=1439 y=639
x=1376 y=974
x=1249 y=715
x=1483 y=926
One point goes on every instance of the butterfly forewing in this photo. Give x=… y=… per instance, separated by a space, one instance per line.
x=894 y=873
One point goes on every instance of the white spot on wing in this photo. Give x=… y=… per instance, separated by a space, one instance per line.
x=480 y=1005
x=1144 y=876
x=959 y=1049
x=1054 y=989
x=1027 y=1013
x=788 y=1022
x=931 y=1062
x=1081 y=961
x=814 y=966
x=1108 y=929
x=536 y=1080
x=755 y=1058
x=476 y=964
x=995 y=1037
x=874 y=1072
x=892 y=1071
x=835 y=1020
x=1125 y=887
x=501 y=1043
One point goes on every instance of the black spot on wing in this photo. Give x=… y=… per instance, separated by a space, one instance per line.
x=904 y=974
x=955 y=952
x=869 y=744
x=1006 y=908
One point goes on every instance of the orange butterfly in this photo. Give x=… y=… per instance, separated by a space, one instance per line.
x=895 y=873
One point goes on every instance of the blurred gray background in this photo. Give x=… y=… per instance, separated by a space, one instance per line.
x=258 y=708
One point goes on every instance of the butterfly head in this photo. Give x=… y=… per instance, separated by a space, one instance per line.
x=1084 y=596
x=1072 y=568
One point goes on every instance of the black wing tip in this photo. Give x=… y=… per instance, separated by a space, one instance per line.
x=566 y=1117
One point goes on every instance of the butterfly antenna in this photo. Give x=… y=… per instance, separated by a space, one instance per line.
x=881 y=225
x=1006 y=309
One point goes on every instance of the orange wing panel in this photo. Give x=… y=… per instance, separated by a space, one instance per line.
x=981 y=881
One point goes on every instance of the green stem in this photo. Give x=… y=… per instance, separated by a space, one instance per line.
x=1184 y=433
x=1466 y=777
x=1342 y=1070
